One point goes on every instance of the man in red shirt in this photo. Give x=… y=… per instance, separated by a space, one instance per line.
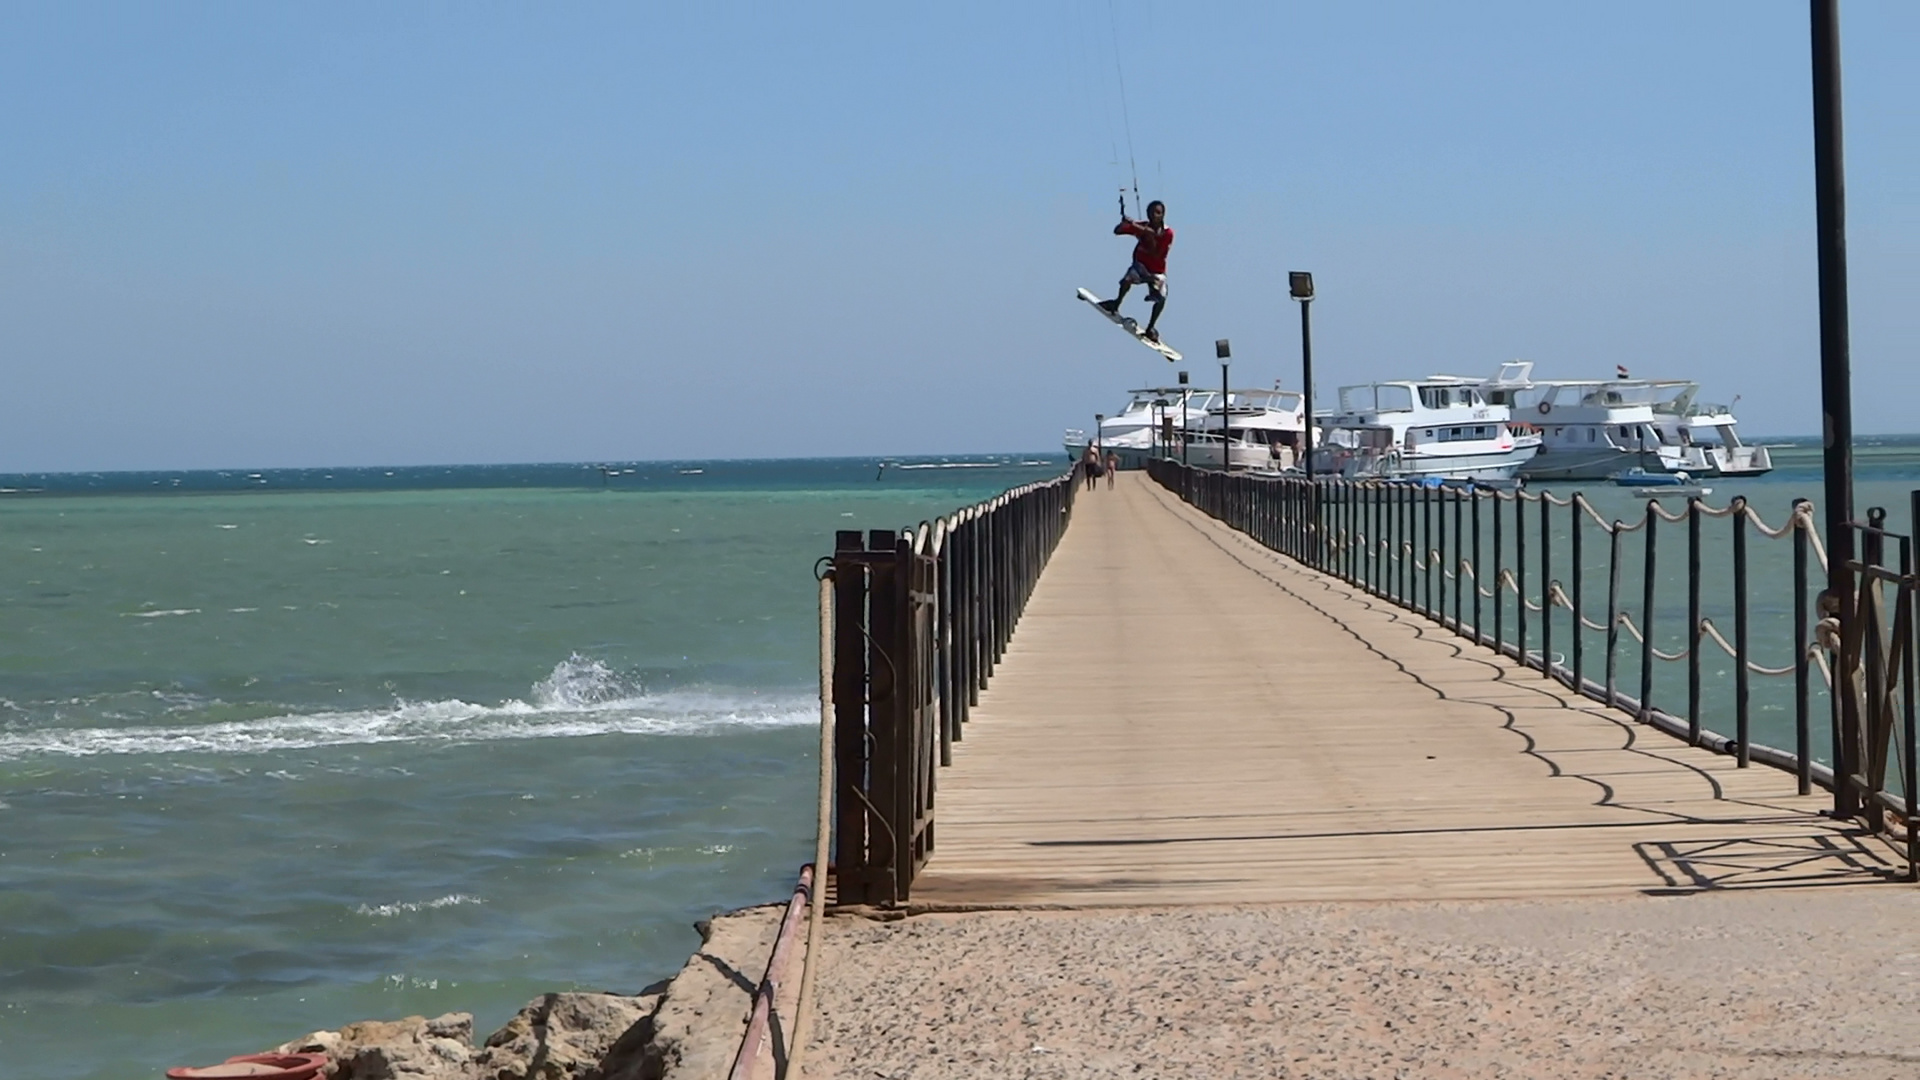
x=1149 y=262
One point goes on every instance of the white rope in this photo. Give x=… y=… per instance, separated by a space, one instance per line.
x=803 y=1006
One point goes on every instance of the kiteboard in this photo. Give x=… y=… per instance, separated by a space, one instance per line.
x=1130 y=327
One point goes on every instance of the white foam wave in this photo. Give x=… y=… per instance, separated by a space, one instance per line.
x=388 y=911
x=581 y=697
x=160 y=614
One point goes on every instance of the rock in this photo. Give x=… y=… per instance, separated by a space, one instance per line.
x=570 y=1036
x=703 y=1016
x=684 y=1029
x=415 y=1048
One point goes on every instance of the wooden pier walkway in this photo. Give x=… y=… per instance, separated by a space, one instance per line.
x=1186 y=717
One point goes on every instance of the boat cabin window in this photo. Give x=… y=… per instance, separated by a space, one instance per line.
x=1463 y=433
x=1376 y=398
x=1439 y=397
x=1590 y=435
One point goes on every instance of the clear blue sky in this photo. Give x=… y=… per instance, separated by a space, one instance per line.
x=281 y=234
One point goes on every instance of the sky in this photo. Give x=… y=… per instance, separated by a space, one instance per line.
x=392 y=233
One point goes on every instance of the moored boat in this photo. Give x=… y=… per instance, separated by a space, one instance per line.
x=1438 y=428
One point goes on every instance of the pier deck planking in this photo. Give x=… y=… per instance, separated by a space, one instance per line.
x=1186 y=717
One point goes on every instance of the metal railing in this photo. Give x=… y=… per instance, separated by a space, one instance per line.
x=921 y=617
x=1460 y=555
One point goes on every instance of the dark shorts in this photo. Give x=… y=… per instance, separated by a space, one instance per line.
x=1139 y=275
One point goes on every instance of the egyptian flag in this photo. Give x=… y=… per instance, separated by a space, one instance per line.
x=1619 y=371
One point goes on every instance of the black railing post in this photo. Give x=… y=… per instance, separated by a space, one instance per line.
x=1459 y=563
x=1693 y=622
x=1520 y=577
x=1740 y=659
x=1575 y=512
x=1613 y=614
x=1909 y=756
x=1802 y=731
x=850 y=692
x=1428 y=548
x=1647 y=583
x=1474 y=493
x=1546 y=587
x=1499 y=597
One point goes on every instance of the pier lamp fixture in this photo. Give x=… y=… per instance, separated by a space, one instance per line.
x=1163 y=426
x=1099 y=447
x=1300 y=287
x=1184 y=393
x=1225 y=352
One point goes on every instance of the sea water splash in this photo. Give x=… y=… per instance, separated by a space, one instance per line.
x=580 y=697
x=388 y=911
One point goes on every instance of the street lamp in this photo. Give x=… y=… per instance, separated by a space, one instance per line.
x=1300 y=286
x=1225 y=352
x=1836 y=376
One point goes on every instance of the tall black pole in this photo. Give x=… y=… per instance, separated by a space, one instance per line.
x=1836 y=384
x=1185 y=433
x=1306 y=383
x=1226 y=422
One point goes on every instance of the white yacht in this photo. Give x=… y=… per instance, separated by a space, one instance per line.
x=1266 y=428
x=1593 y=429
x=1141 y=430
x=1440 y=428
x=1266 y=431
x=1699 y=438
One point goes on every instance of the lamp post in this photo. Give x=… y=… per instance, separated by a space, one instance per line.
x=1099 y=447
x=1836 y=382
x=1184 y=393
x=1300 y=286
x=1225 y=352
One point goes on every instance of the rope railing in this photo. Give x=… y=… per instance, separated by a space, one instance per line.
x=1500 y=566
x=1515 y=570
x=1800 y=522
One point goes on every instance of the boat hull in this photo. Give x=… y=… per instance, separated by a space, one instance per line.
x=1494 y=466
x=1554 y=463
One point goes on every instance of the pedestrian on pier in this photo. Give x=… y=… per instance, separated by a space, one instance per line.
x=1113 y=466
x=1090 y=466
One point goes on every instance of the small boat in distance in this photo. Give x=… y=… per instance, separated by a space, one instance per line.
x=1656 y=484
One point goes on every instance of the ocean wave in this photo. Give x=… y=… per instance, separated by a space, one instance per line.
x=388 y=911
x=580 y=697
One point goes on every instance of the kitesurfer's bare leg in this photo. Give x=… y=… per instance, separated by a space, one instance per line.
x=1113 y=305
x=1158 y=306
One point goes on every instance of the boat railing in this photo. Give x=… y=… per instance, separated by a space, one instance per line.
x=1550 y=582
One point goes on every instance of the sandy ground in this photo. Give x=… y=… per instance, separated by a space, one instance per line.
x=1787 y=983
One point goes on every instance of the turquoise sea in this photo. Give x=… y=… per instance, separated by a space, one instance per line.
x=285 y=749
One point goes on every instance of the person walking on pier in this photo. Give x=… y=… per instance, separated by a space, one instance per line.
x=1090 y=466
x=1113 y=466
x=1149 y=263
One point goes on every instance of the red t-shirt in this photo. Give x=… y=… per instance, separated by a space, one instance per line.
x=1151 y=251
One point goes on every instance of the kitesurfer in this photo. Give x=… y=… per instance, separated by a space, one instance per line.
x=1153 y=240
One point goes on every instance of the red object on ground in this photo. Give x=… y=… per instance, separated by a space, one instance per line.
x=256 y=1067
